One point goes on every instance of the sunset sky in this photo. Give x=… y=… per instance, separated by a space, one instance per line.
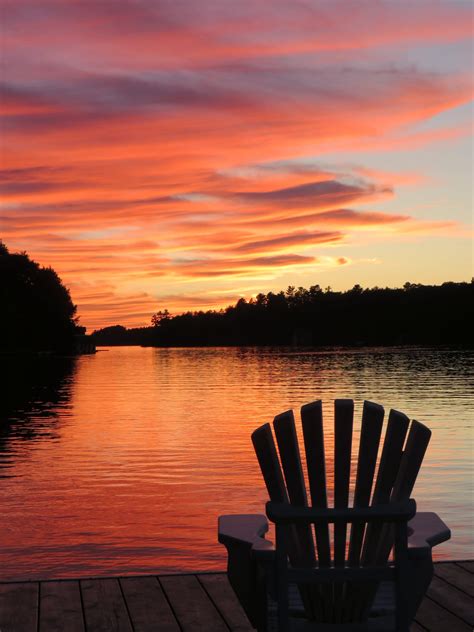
x=182 y=154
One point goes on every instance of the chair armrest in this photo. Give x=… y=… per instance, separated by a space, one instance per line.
x=245 y=530
x=426 y=530
x=248 y=556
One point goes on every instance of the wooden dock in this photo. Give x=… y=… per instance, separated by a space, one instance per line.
x=195 y=602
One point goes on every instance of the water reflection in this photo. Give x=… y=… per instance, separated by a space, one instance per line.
x=134 y=452
x=35 y=389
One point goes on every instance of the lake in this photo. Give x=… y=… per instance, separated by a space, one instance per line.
x=120 y=462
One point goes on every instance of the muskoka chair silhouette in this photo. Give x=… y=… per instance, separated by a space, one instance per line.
x=315 y=577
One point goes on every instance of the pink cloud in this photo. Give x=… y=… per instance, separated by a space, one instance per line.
x=167 y=141
x=136 y=34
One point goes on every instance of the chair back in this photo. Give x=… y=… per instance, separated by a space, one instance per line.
x=378 y=482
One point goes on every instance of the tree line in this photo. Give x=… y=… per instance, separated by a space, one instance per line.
x=414 y=314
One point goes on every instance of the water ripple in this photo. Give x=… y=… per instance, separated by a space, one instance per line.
x=121 y=462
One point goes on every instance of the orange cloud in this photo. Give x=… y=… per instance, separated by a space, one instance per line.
x=164 y=150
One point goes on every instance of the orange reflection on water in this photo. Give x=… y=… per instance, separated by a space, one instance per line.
x=127 y=469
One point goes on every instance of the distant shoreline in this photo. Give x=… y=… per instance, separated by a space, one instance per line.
x=413 y=315
x=39 y=355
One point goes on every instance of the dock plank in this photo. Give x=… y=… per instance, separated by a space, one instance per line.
x=191 y=604
x=104 y=606
x=19 y=607
x=468 y=566
x=147 y=605
x=435 y=618
x=220 y=591
x=452 y=599
x=457 y=576
x=60 y=607
x=194 y=603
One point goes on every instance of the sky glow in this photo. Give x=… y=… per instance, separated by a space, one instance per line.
x=182 y=154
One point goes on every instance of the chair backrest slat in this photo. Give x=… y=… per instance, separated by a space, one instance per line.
x=371 y=429
x=267 y=456
x=313 y=434
x=285 y=432
x=265 y=449
x=389 y=465
x=343 y=422
x=395 y=434
x=412 y=458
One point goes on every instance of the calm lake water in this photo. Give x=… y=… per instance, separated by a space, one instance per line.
x=120 y=463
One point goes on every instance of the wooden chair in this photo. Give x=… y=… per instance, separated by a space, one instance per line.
x=316 y=577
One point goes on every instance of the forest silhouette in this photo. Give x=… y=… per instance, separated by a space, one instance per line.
x=38 y=315
x=415 y=314
x=37 y=312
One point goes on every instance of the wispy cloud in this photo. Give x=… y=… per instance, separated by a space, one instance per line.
x=162 y=150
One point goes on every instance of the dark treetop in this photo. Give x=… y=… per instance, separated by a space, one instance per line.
x=36 y=313
x=414 y=314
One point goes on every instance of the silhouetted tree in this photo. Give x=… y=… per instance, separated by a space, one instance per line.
x=414 y=314
x=158 y=318
x=37 y=313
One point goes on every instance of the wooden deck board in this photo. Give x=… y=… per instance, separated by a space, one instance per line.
x=147 y=605
x=468 y=566
x=104 y=606
x=60 y=607
x=221 y=593
x=452 y=599
x=19 y=607
x=457 y=576
x=435 y=618
x=193 y=602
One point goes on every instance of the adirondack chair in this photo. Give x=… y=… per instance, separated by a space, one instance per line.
x=315 y=577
